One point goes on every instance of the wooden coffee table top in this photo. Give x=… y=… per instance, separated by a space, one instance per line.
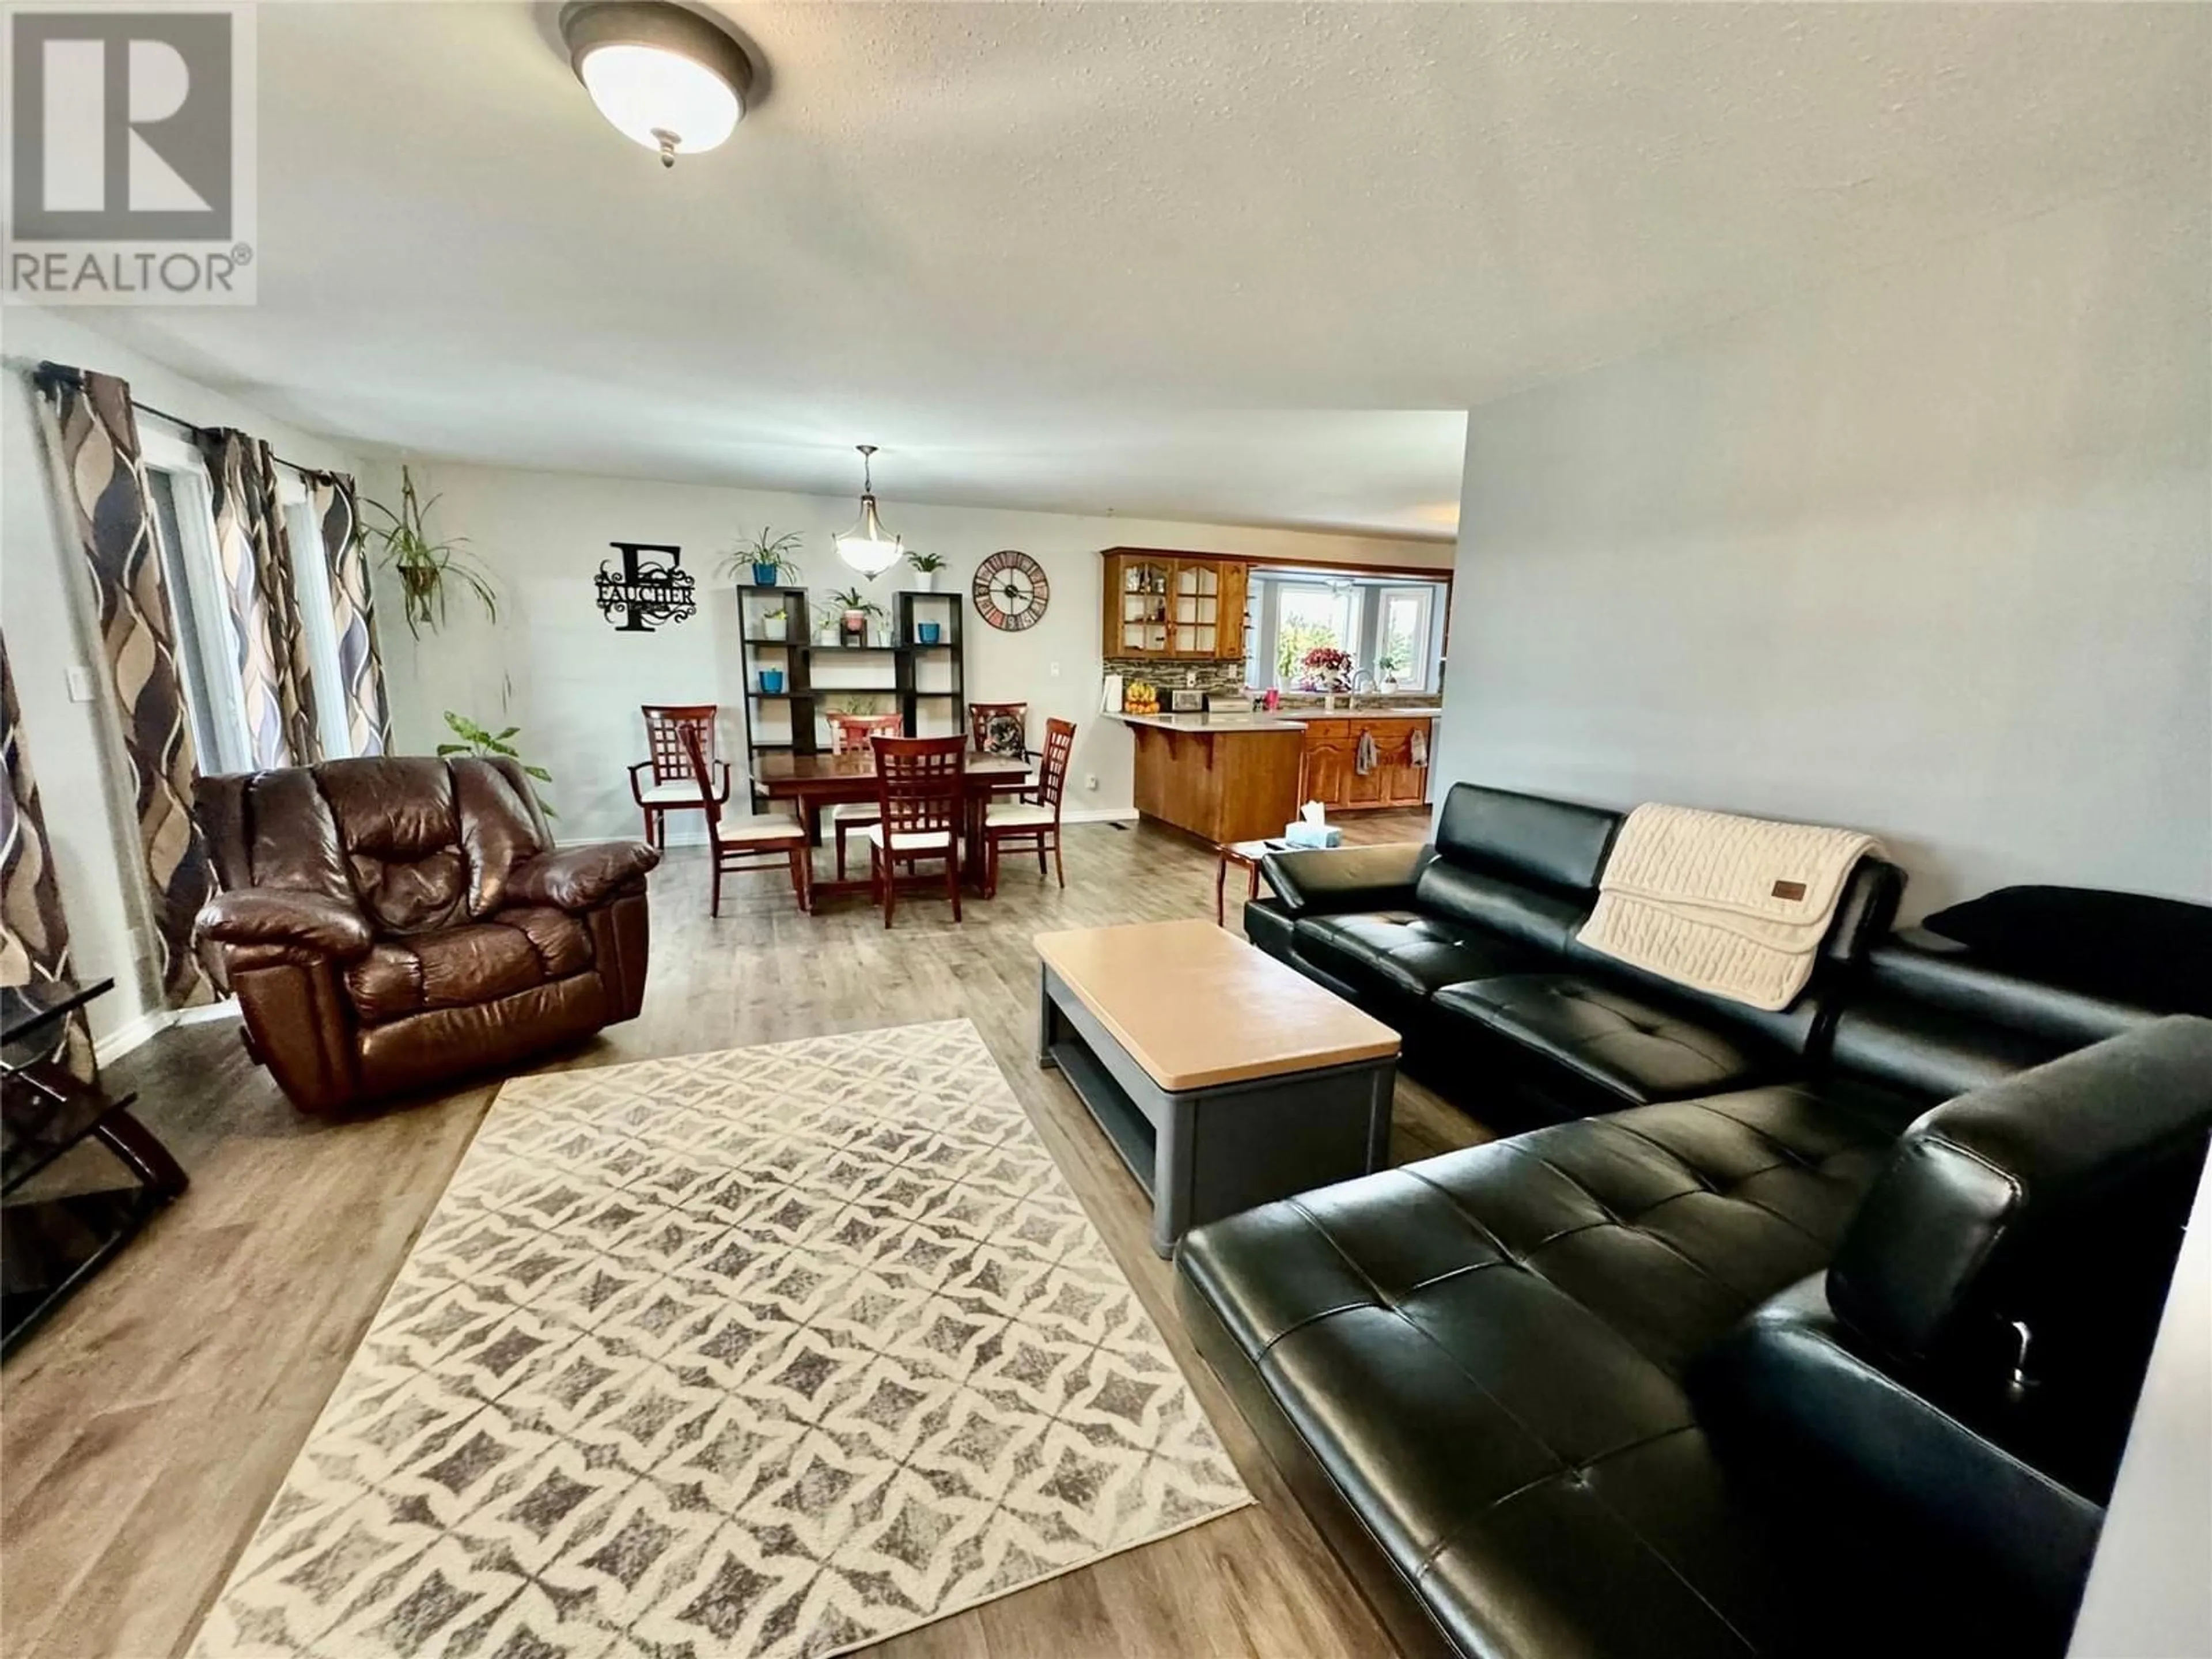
x=1196 y=1007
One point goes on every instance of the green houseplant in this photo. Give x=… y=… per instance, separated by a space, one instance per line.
x=475 y=740
x=768 y=556
x=428 y=569
x=858 y=608
x=927 y=565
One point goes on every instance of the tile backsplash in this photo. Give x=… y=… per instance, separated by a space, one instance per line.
x=1224 y=678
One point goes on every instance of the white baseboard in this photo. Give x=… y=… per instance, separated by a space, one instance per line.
x=155 y=1021
x=128 y=1036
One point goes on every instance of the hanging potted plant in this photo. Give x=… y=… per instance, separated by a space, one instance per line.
x=858 y=608
x=428 y=570
x=767 y=557
x=925 y=566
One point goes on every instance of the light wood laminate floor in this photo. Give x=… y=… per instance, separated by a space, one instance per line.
x=143 y=1431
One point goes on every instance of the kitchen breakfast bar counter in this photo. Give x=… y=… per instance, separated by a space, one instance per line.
x=1219 y=777
x=1226 y=777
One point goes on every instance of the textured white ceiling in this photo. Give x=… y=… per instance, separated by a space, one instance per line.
x=1042 y=254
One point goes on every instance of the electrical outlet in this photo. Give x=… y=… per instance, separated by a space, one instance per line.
x=80 y=683
x=1091 y=782
x=1052 y=671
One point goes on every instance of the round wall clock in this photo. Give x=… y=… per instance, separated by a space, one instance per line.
x=1011 y=591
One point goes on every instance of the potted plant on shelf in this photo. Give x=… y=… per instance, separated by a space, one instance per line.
x=427 y=568
x=772 y=624
x=857 y=609
x=477 y=740
x=768 y=557
x=925 y=566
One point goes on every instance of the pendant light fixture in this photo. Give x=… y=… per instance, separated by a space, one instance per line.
x=867 y=546
x=664 y=76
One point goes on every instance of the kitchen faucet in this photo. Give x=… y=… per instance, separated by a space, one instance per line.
x=1352 y=698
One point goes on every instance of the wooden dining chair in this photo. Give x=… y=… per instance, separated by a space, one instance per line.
x=848 y=734
x=1037 y=818
x=672 y=786
x=921 y=790
x=750 y=843
x=851 y=733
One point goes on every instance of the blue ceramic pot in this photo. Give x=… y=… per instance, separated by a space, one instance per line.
x=764 y=575
x=928 y=631
x=771 y=681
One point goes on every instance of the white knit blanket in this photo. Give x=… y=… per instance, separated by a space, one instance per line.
x=1734 y=906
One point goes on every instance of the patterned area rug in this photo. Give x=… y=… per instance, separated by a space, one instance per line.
x=778 y=1350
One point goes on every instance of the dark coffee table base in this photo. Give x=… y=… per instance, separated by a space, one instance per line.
x=1203 y=1154
x=49 y=1247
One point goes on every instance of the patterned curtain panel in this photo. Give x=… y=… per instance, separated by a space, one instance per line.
x=338 y=509
x=93 y=436
x=34 y=950
x=274 y=669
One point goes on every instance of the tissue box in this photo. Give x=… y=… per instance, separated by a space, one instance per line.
x=1303 y=834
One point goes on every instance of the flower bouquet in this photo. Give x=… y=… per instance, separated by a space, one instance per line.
x=1325 y=668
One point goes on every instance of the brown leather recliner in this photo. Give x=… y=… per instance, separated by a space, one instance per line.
x=392 y=923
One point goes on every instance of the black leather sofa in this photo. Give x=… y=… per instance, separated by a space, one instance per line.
x=1725 y=1363
x=1466 y=946
x=1739 y=1375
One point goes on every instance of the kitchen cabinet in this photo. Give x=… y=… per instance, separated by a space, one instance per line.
x=1172 y=606
x=1329 y=763
x=1333 y=777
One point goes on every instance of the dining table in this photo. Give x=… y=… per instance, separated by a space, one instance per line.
x=812 y=782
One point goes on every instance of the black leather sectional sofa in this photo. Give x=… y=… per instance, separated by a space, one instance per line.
x=1755 y=1353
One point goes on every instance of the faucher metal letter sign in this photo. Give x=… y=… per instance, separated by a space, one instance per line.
x=651 y=589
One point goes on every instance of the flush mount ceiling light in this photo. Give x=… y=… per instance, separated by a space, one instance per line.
x=666 y=76
x=867 y=546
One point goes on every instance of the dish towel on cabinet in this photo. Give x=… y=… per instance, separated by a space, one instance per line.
x=1420 y=745
x=1366 y=757
x=1734 y=906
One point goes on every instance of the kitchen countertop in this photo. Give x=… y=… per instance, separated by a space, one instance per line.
x=1283 y=719
x=1205 y=724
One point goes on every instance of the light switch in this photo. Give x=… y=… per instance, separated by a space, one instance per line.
x=1053 y=670
x=80 y=683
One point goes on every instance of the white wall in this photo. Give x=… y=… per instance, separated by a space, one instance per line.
x=1928 y=553
x=2148 y=1596
x=553 y=667
x=46 y=612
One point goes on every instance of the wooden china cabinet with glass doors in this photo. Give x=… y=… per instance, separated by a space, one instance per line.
x=1172 y=606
